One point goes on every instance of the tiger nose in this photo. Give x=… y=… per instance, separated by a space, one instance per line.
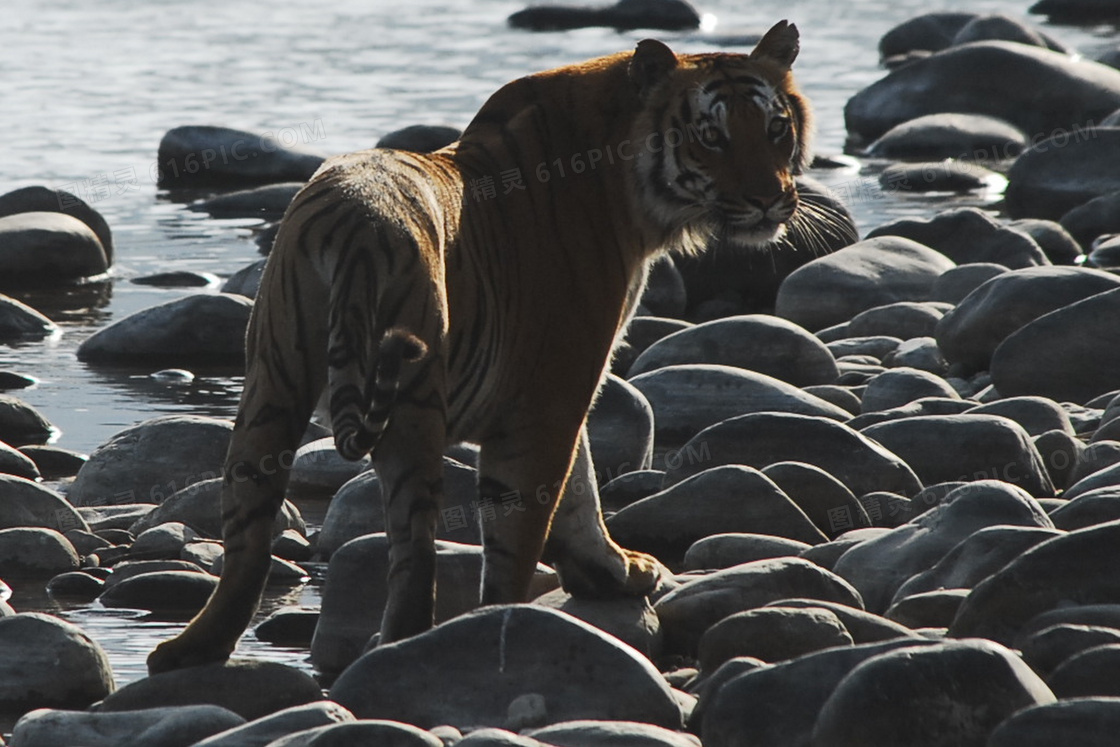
x=765 y=204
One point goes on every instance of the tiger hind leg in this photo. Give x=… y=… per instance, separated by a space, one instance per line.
x=590 y=564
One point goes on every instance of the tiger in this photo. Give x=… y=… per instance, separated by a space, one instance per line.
x=475 y=294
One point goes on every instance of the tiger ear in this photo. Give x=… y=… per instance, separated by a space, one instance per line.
x=780 y=44
x=650 y=64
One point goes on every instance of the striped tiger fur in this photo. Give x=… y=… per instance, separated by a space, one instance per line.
x=476 y=293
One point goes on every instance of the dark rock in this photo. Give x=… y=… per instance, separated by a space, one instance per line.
x=693 y=608
x=176 y=726
x=49 y=249
x=1070 y=168
x=1108 y=477
x=923 y=407
x=207 y=328
x=14 y=380
x=955 y=284
x=642 y=333
x=610 y=734
x=968 y=235
x=1105 y=254
x=1076 y=11
x=930 y=609
x=18 y=321
x=163 y=542
x=939 y=136
x=45 y=200
x=24 y=503
x=998 y=27
x=1049 y=647
x=919 y=353
x=624 y=15
x=292 y=545
x=199 y=507
x=941 y=448
x=496 y=738
x=75 y=585
x=292 y=720
x=1090 y=219
x=665 y=293
x=976 y=557
x=1071 y=569
x=762 y=439
x=1086 y=722
x=152 y=460
x=48 y=663
x=1082 y=352
x=130 y=568
x=21 y=424
x=174 y=594
x=35 y=552
x=903 y=320
x=729 y=498
x=1055 y=241
x=1037 y=415
x=879 y=566
x=1089 y=673
x=727 y=549
x=251 y=689
x=420 y=138
x=1098 y=506
x=54 y=463
x=1060 y=452
x=366 y=731
x=938 y=176
x=874 y=346
x=950 y=694
x=629 y=619
x=771 y=634
x=761 y=343
x=864 y=627
x=1094 y=615
x=318 y=470
x=267 y=203
x=630 y=488
x=480 y=662
x=620 y=426
x=686 y=399
x=178 y=279
x=930 y=32
x=970 y=333
x=870 y=273
x=841 y=396
x=246 y=281
x=1041 y=90
x=779 y=704
x=901 y=386
x=824 y=499
x=198 y=156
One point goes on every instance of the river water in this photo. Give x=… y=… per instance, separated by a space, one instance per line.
x=90 y=88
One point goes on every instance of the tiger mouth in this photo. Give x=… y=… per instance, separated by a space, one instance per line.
x=751 y=233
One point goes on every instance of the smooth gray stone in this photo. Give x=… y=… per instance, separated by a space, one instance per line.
x=936 y=176
x=968 y=235
x=901 y=386
x=919 y=353
x=45 y=200
x=46 y=662
x=620 y=427
x=930 y=609
x=643 y=332
x=668 y=15
x=1037 y=415
x=267 y=203
x=35 y=552
x=50 y=248
x=1001 y=27
x=949 y=135
x=28 y=504
x=1085 y=722
x=771 y=634
x=589 y=733
x=1094 y=219
x=927 y=32
x=18 y=321
x=196 y=156
x=22 y=424
x=366 y=731
x=629 y=619
x=174 y=726
x=1088 y=673
x=420 y=138
x=823 y=498
x=904 y=320
x=1069 y=169
x=1095 y=507
x=1056 y=242
x=479 y=663
x=199 y=506
x=280 y=724
x=246 y=281
x=864 y=627
x=735 y=548
x=152 y=460
x=178 y=594
x=1049 y=647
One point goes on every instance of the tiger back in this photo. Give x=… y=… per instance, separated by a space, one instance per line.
x=475 y=294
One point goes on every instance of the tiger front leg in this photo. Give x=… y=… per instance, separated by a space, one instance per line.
x=589 y=562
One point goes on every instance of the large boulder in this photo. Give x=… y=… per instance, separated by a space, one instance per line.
x=200 y=329
x=198 y=156
x=25 y=503
x=928 y=32
x=938 y=136
x=40 y=199
x=150 y=461
x=35 y=552
x=174 y=726
x=1035 y=89
x=18 y=321
x=1071 y=167
x=968 y=235
x=1086 y=722
x=477 y=665
x=49 y=248
x=669 y=15
x=620 y=429
x=874 y=272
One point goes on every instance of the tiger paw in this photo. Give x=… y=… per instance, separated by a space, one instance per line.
x=625 y=573
x=180 y=653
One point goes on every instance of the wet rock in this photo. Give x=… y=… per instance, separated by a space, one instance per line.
x=693 y=608
x=620 y=426
x=53 y=462
x=1049 y=647
x=1079 y=91
x=1086 y=722
x=318 y=470
x=40 y=199
x=75 y=585
x=292 y=545
x=771 y=634
x=824 y=499
x=289 y=626
x=629 y=619
x=1068 y=169
x=129 y=568
x=201 y=329
x=864 y=627
x=954 y=285
x=197 y=156
x=970 y=333
x=941 y=448
x=174 y=594
x=357 y=509
x=961 y=689
x=267 y=203
x=251 y=689
x=590 y=733
x=28 y=504
x=967 y=235
x=356 y=589
x=939 y=136
x=292 y=720
x=1071 y=569
x=762 y=439
x=879 y=566
x=246 y=281
x=998 y=27
x=1089 y=673
x=49 y=248
x=901 y=386
x=35 y=552
x=1098 y=506
x=199 y=507
x=668 y=15
x=48 y=663
x=1075 y=11
x=727 y=498
x=163 y=542
x=496 y=655
x=178 y=279
x=930 y=609
x=152 y=460
x=420 y=138
x=976 y=557
x=18 y=321
x=928 y=32
x=178 y=726
x=938 y=176
x=15 y=380
x=642 y=333
x=1081 y=352
x=757 y=342
x=870 y=273
x=22 y=424
x=630 y=488
x=1092 y=219
x=735 y=548
x=779 y=704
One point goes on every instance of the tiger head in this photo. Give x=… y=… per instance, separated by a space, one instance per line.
x=723 y=135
